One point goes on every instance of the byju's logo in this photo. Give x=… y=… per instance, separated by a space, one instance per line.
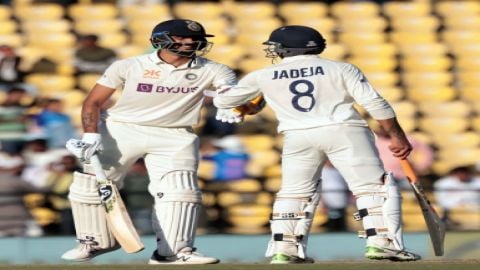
x=144 y=87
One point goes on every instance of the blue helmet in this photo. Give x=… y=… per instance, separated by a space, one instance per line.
x=294 y=40
x=162 y=37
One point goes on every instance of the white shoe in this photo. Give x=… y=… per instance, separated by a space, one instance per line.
x=84 y=252
x=185 y=256
x=387 y=251
x=280 y=258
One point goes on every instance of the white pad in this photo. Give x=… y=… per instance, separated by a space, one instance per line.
x=381 y=213
x=88 y=212
x=177 y=205
x=290 y=224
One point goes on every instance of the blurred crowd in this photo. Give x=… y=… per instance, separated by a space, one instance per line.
x=240 y=163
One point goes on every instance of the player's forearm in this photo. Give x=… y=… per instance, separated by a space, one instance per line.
x=392 y=128
x=90 y=117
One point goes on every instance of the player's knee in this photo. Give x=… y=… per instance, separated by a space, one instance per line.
x=176 y=186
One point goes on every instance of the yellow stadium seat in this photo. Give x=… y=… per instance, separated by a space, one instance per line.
x=36 y=12
x=141 y=40
x=463 y=155
x=391 y=94
x=264 y=158
x=372 y=64
x=465 y=49
x=408 y=37
x=373 y=50
x=13 y=40
x=382 y=79
x=406 y=9
x=252 y=10
x=130 y=51
x=348 y=10
x=92 y=11
x=470 y=93
x=229 y=198
x=416 y=24
x=467 y=139
x=258 y=142
x=404 y=108
x=460 y=23
x=456 y=108
x=60 y=55
x=454 y=8
x=218 y=26
x=30 y=54
x=251 y=64
x=420 y=79
x=54 y=40
x=208 y=199
x=408 y=123
x=426 y=64
x=334 y=51
x=72 y=98
x=244 y=185
x=467 y=217
x=423 y=49
x=5 y=13
x=112 y=40
x=467 y=63
x=310 y=10
x=51 y=83
x=206 y=169
x=46 y=26
x=227 y=54
x=369 y=24
x=451 y=37
x=141 y=27
x=434 y=125
x=469 y=78
x=155 y=12
x=273 y=184
x=265 y=26
x=8 y=27
x=476 y=123
x=99 y=26
x=363 y=38
x=87 y=81
x=273 y=171
x=325 y=25
x=434 y=93
x=44 y=216
x=207 y=10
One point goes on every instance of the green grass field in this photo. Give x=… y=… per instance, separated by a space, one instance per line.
x=332 y=265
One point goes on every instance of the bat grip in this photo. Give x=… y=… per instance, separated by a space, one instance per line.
x=97 y=167
x=408 y=170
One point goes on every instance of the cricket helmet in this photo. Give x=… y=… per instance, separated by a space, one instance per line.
x=163 y=32
x=294 y=40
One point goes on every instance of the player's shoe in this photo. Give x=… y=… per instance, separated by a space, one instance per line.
x=280 y=258
x=384 y=253
x=185 y=256
x=84 y=252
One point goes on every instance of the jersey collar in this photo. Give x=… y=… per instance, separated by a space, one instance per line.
x=299 y=57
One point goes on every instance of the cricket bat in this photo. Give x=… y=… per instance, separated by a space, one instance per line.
x=117 y=216
x=436 y=227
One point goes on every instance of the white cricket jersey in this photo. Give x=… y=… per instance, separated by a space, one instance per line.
x=307 y=91
x=155 y=93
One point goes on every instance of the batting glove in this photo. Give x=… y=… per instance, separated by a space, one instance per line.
x=229 y=116
x=85 y=148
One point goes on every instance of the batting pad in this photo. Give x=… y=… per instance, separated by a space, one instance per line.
x=381 y=213
x=177 y=205
x=290 y=224
x=88 y=212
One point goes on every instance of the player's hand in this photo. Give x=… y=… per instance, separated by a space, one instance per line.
x=400 y=147
x=254 y=106
x=85 y=148
x=229 y=116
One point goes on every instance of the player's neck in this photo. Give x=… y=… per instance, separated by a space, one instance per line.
x=173 y=59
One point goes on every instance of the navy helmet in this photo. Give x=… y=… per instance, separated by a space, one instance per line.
x=294 y=40
x=162 y=37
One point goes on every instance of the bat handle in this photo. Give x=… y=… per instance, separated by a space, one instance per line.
x=97 y=167
x=408 y=170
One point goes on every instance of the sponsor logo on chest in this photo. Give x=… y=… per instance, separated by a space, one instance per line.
x=149 y=88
